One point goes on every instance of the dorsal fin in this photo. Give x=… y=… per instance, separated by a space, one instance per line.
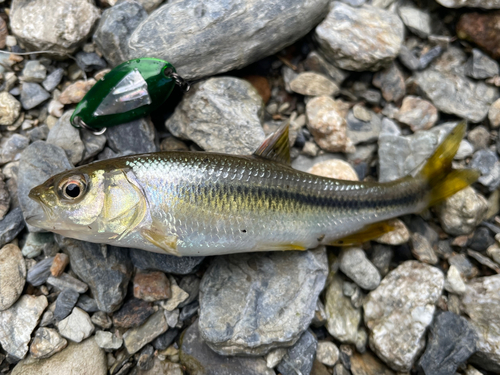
x=276 y=147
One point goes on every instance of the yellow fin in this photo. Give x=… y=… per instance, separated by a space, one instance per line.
x=367 y=233
x=276 y=147
x=281 y=247
x=161 y=239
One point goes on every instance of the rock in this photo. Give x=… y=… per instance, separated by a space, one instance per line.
x=145 y=360
x=34 y=72
x=32 y=94
x=151 y=286
x=494 y=252
x=12 y=275
x=135 y=338
x=89 y=61
x=87 y=304
x=170 y=34
x=357 y=267
x=399 y=311
x=417 y=113
x=486 y=4
x=481 y=66
x=486 y=161
x=479 y=137
x=481 y=240
x=115 y=27
x=398 y=236
x=38 y=243
x=85 y=358
x=18 y=322
x=53 y=79
x=365 y=38
x=493 y=114
x=40 y=272
x=315 y=62
x=359 y=131
x=342 y=318
x=199 y=359
x=101 y=319
x=191 y=285
x=108 y=341
x=11 y=148
x=230 y=121
x=66 y=136
x=133 y=313
x=283 y=287
x=107 y=270
x=327 y=125
x=392 y=83
x=422 y=249
x=76 y=91
x=66 y=281
x=368 y=364
x=274 y=357
x=166 y=339
x=417 y=20
x=61 y=26
x=77 y=326
x=327 y=353
x=34 y=170
x=178 y=296
x=463 y=264
x=480 y=303
x=93 y=144
x=172 y=317
x=454 y=282
x=188 y=311
x=462 y=212
x=381 y=258
x=137 y=136
x=300 y=357
x=340 y=370
x=485 y=261
x=9 y=108
x=46 y=343
x=313 y=84
x=449 y=91
x=147 y=260
x=11 y=225
x=65 y=302
x=334 y=168
x=61 y=260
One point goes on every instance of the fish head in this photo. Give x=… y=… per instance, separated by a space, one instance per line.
x=91 y=204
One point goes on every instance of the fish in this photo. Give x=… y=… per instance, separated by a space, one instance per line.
x=201 y=203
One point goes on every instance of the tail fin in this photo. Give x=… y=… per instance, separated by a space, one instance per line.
x=442 y=179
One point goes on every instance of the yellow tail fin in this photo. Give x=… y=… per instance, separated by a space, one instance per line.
x=442 y=179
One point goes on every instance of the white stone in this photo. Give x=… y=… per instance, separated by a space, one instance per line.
x=454 y=282
x=77 y=326
x=327 y=353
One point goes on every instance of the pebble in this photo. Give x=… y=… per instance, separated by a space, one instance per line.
x=198 y=358
x=482 y=30
x=368 y=364
x=32 y=95
x=65 y=302
x=170 y=34
x=12 y=275
x=101 y=319
x=334 y=168
x=166 y=339
x=106 y=270
x=340 y=370
x=481 y=240
x=89 y=61
x=313 y=84
x=66 y=136
x=463 y=264
x=108 y=341
x=93 y=144
x=398 y=236
x=360 y=131
x=77 y=326
x=462 y=212
x=4 y=197
x=66 y=281
x=494 y=252
x=399 y=311
x=327 y=353
x=46 y=343
x=422 y=249
x=137 y=136
x=11 y=225
x=377 y=35
x=327 y=125
x=486 y=161
x=189 y=311
x=9 y=109
x=147 y=260
x=417 y=113
x=391 y=82
x=53 y=79
x=60 y=262
x=133 y=313
x=87 y=304
x=151 y=286
x=357 y=267
x=454 y=282
x=481 y=66
x=18 y=322
x=479 y=137
x=34 y=71
x=135 y=338
x=417 y=20
x=485 y=261
x=234 y=103
x=317 y=63
x=191 y=285
x=40 y=272
x=381 y=258
x=274 y=357
x=76 y=359
x=177 y=296
x=300 y=357
x=486 y=4
x=172 y=317
x=11 y=148
x=493 y=114
x=237 y=290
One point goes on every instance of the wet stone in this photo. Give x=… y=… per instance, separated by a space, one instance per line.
x=356 y=266
x=166 y=339
x=40 y=272
x=137 y=136
x=151 y=286
x=300 y=357
x=481 y=66
x=391 y=82
x=284 y=288
x=313 y=84
x=11 y=225
x=135 y=338
x=32 y=94
x=9 y=109
x=38 y=243
x=53 y=79
x=66 y=281
x=12 y=275
x=133 y=313
x=46 y=343
x=146 y=260
x=77 y=326
x=65 y=302
x=34 y=71
x=107 y=340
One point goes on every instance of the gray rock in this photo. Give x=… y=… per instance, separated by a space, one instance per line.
x=18 y=322
x=166 y=339
x=170 y=34
x=40 y=272
x=89 y=61
x=146 y=260
x=421 y=249
x=172 y=317
x=32 y=94
x=408 y=59
x=66 y=281
x=9 y=108
x=135 y=338
x=93 y=144
x=317 y=63
x=43 y=25
x=448 y=92
x=365 y=38
x=101 y=319
x=77 y=326
x=11 y=148
x=11 y=225
x=381 y=258
x=53 y=79
x=391 y=82
x=199 y=359
x=313 y=84
x=37 y=243
x=133 y=313
x=65 y=302
x=46 y=343
x=108 y=341
x=399 y=311
x=486 y=4
x=12 y=275
x=486 y=161
x=34 y=72
x=481 y=66
x=493 y=113
x=35 y=170
x=87 y=304
x=107 y=270
x=66 y=136
x=300 y=357
x=417 y=113
x=191 y=285
x=417 y=20
x=137 y=136
x=356 y=266
x=189 y=311
x=359 y=131
x=222 y=115
x=85 y=358
x=39 y=133
x=251 y=303
x=481 y=304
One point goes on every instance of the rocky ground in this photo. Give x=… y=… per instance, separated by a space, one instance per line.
x=370 y=89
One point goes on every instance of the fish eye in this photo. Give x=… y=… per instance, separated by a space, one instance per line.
x=73 y=187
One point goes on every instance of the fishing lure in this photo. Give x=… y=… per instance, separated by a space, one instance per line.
x=130 y=91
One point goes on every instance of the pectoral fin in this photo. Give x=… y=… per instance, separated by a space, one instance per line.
x=159 y=237
x=368 y=233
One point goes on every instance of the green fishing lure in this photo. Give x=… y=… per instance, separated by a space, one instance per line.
x=131 y=90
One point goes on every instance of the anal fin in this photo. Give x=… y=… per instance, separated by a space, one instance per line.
x=367 y=233
x=281 y=247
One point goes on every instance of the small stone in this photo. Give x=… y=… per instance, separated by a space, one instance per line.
x=300 y=357
x=177 y=296
x=65 y=302
x=46 y=343
x=40 y=272
x=479 y=137
x=417 y=20
x=493 y=114
x=108 y=341
x=60 y=262
x=9 y=108
x=482 y=30
x=77 y=326
x=340 y=370
x=66 y=281
x=334 y=168
x=135 y=338
x=66 y=136
x=317 y=63
x=486 y=161
x=137 y=136
x=151 y=286
x=172 y=317
x=463 y=264
x=359 y=131
x=391 y=82
x=417 y=113
x=12 y=275
x=101 y=319
x=53 y=79
x=89 y=61
x=327 y=125
x=32 y=94
x=464 y=150
x=11 y=225
x=494 y=252
x=274 y=357
x=166 y=339
x=34 y=72
x=422 y=249
x=191 y=285
x=462 y=212
x=147 y=260
x=398 y=236
x=454 y=282
x=75 y=92
x=481 y=240
x=11 y=148
x=356 y=266
x=481 y=66
x=361 y=113
x=485 y=261
x=327 y=353
x=381 y=258
x=87 y=304
x=368 y=364
x=189 y=311
x=133 y=313
x=313 y=84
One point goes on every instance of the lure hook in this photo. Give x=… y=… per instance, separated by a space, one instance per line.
x=183 y=84
x=80 y=124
